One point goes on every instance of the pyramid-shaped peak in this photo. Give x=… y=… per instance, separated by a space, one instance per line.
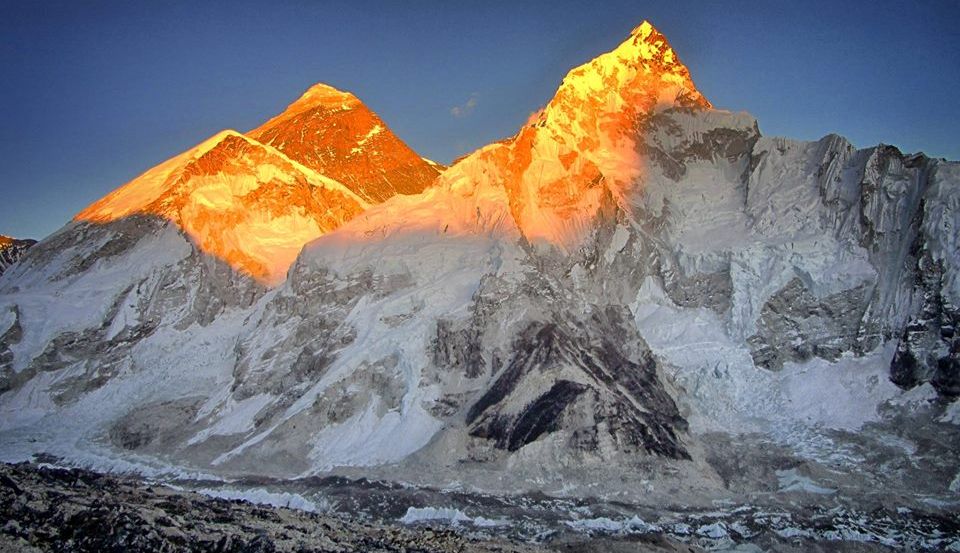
x=646 y=43
x=644 y=65
x=324 y=95
x=644 y=30
x=335 y=134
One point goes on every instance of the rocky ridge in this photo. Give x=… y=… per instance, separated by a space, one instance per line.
x=11 y=250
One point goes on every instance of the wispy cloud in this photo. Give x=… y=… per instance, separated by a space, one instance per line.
x=467 y=107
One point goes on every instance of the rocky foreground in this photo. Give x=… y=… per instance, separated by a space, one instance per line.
x=53 y=509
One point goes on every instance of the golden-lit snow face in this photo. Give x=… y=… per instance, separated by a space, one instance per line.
x=579 y=153
x=239 y=201
x=254 y=201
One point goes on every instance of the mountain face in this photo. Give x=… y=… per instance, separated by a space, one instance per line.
x=580 y=152
x=11 y=250
x=255 y=206
x=334 y=134
x=238 y=200
x=587 y=304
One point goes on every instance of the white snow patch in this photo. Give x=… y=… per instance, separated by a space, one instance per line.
x=235 y=418
x=916 y=398
x=449 y=516
x=604 y=524
x=794 y=532
x=952 y=413
x=792 y=481
x=369 y=438
x=617 y=242
x=374 y=131
x=7 y=318
x=843 y=394
x=715 y=531
x=261 y=496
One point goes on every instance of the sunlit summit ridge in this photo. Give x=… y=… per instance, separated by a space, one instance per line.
x=254 y=200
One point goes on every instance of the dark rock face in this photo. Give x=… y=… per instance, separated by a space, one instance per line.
x=11 y=250
x=150 y=427
x=795 y=325
x=929 y=347
x=458 y=347
x=904 y=211
x=713 y=145
x=710 y=290
x=591 y=387
x=13 y=335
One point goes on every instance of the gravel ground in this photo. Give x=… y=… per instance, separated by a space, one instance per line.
x=55 y=509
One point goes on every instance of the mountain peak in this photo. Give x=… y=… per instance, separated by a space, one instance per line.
x=581 y=149
x=241 y=201
x=643 y=30
x=324 y=95
x=642 y=65
x=333 y=133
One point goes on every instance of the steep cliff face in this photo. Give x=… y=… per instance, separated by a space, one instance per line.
x=805 y=250
x=335 y=134
x=585 y=302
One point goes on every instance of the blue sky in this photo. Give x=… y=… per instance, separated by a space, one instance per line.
x=94 y=93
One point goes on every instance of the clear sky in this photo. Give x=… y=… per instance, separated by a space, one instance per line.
x=94 y=93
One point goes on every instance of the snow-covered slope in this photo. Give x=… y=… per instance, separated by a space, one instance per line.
x=573 y=308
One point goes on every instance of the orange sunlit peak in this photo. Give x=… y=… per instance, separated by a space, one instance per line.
x=643 y=30
x=326 y=95
x=550 y=170
x=584 y=136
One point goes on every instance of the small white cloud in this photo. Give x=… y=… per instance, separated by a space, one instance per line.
x=465 y=109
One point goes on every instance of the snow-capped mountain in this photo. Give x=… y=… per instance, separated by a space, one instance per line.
x=11 y=250
x=238 y=200
x=335 y=134
x=584 y=304
x=255 y=206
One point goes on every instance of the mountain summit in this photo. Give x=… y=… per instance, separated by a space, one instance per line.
x=581 y=153
x=335 y=134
